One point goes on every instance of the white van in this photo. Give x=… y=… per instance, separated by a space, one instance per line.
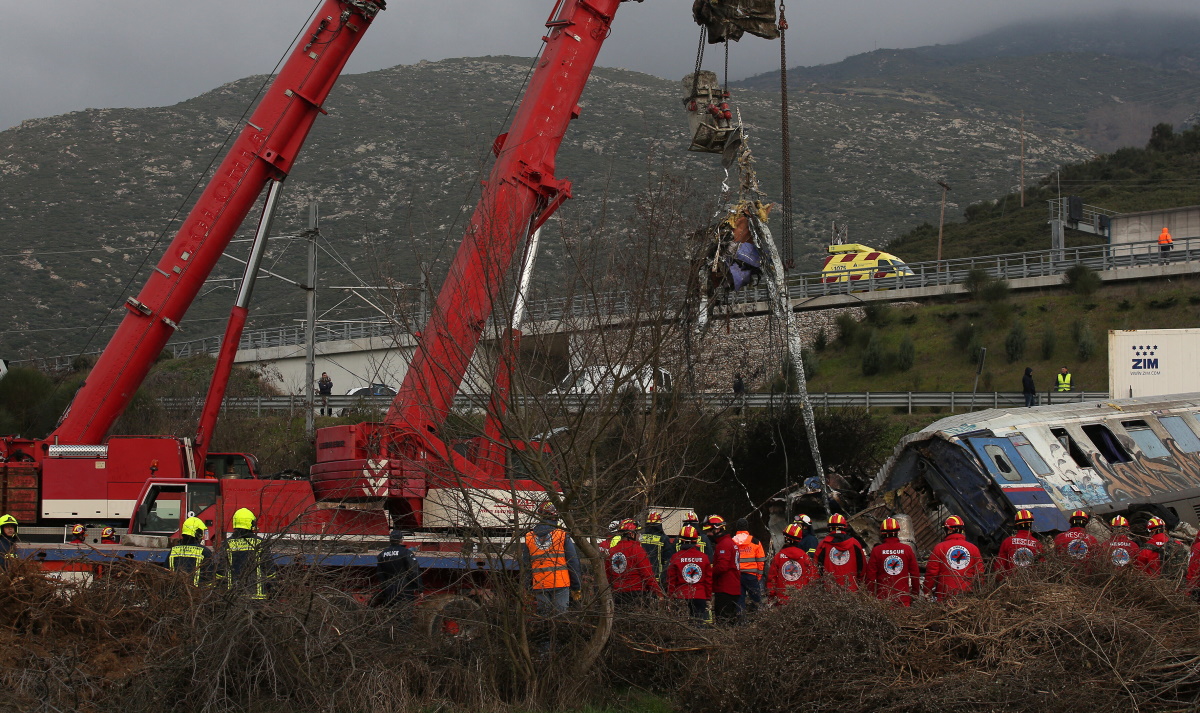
x=607 y=379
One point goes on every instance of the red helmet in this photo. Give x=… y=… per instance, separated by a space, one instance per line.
x=1079 y=518
x=1119 y=521
x=108 y=532
x=1023 y=517
x=628 y=525
x=689 y=533
x=690 y=516
x=793 y=532
x=654 y=518
x=1155 y=524
x=837 y=522
x=954 y=523
x=547 y=511
x=714 y=523
x=78 y=529
x=891 y=525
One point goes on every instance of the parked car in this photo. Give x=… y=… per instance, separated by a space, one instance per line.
x=610 y=379
x=366 y=392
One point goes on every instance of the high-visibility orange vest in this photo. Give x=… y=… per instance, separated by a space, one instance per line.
x=751 y=555
x=548 y=560
x=1164 y=238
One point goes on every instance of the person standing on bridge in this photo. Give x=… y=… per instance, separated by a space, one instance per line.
x=1164 y=244
x=1064 y=379
x=1027 y=387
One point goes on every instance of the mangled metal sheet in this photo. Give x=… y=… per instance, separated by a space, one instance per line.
x=730 y=19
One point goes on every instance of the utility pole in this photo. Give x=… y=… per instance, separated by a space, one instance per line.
x=310 y=324
x=1022 y=159
x=942 y=222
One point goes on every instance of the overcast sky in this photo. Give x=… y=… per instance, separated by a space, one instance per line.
x=61 y=57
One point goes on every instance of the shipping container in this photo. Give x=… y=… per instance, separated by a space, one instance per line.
x=1153 y=362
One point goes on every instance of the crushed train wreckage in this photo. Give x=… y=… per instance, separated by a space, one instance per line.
x=1134 y=457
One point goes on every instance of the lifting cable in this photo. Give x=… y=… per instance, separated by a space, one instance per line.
x=789 y=258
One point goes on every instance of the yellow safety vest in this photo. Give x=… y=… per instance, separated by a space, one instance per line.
x=1064 y=382
x=238 y=552
x=195 y=553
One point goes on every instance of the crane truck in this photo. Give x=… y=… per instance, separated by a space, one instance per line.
x=369 y=476
x=79 y=472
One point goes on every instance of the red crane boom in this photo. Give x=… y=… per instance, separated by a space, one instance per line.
x=265 y=150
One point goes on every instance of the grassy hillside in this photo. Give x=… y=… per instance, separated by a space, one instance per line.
x=1162 y=174
x=944 y=336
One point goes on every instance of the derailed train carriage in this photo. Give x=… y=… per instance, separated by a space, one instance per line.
x=1135 y=457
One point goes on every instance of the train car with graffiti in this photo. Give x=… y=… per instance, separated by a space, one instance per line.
x=1136 y=457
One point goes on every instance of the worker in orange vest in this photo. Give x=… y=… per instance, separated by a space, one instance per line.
x=752 y=560
x=551 y=563
x=1164 y=243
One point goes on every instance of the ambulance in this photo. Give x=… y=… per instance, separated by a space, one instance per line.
x=850 y=262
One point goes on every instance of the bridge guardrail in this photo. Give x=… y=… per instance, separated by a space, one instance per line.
x=801 y=286
x=909 y=400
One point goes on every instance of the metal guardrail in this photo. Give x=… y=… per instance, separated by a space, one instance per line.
x=801 y=286
x=909 y=400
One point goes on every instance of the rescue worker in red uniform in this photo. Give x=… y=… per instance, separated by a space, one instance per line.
x=629 y=571
x=727 y=575
x=78 y=534
x=955 y=564
x=1077 y=543
x=1021 y=549
x=791 y=569
x=108 y=536
x=689 y=575
x=752 y=560
x=892 y=570
x=1120 y=549
x=1162 y=554
x=840 y=555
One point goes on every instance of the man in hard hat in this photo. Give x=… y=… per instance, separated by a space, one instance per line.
x=244 y=556
x=78 y=534
x=398 y=573
x=550 y=562
x=727 y=576
x=689 y=575
x=657 y=545
x=791 y=569
x=752 y=560
x=1120 y=547
x=1162 y=555
x=1020 y=549
x=8 y=540
x=190 y=556
x=892 y=572
x=809 y=541
x=1077 y=543
x=630 y=572
x=840 y=555
x=703 y=542
x=955 y=563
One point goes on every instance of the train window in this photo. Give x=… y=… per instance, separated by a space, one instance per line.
x=1146 y=439
x=1106 y=443
x=1071 y=447
x=996 y=453
x=1032 y=458
x=1184 y=437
